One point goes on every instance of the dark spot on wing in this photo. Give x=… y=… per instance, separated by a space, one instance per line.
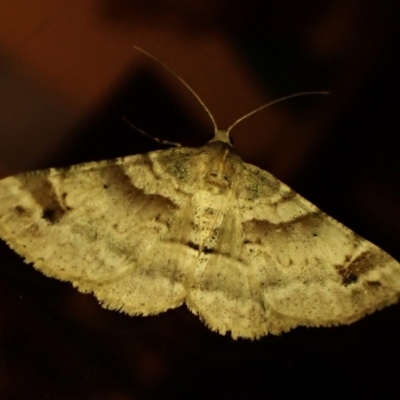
x=357 y=267
x=207 y=250
x=349 y=279
x=204 y=250
x=52 y=215
x=193 y=246
x=20 y=210
x=42 y=191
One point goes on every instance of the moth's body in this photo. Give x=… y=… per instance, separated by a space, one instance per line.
x=198 y=226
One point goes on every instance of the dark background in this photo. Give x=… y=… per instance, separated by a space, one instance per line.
x=68 y=75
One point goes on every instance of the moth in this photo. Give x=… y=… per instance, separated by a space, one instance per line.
x=150 y=232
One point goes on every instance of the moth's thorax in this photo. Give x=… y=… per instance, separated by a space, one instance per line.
x=219 y=169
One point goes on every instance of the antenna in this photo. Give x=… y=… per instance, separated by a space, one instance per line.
x=183 y=82
x=270 y=104
x=216 y=130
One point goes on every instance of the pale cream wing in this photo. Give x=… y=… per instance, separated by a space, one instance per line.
x=104 y=226
x=311 y=269
x=223 y=291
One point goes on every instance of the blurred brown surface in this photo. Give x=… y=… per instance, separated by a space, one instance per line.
x=68 y=74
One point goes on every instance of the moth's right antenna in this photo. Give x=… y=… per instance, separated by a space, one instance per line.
x=183 y=82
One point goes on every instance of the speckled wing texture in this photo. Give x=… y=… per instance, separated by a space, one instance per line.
x=150 y=232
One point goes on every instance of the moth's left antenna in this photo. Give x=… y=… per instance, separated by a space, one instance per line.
x=270 y=104
x=183 y=82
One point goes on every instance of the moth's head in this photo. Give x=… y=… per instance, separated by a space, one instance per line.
x=222 y=136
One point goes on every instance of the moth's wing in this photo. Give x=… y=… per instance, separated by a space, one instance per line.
x=102 y=226
x=311 y=270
